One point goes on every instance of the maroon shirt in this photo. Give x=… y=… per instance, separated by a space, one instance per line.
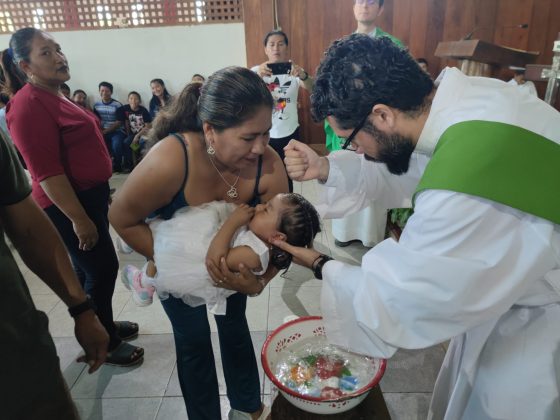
x=55 y=137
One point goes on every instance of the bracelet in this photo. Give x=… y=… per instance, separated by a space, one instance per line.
x=306 y=76
x=262 y=282
x=81 y=308
x=319 y=262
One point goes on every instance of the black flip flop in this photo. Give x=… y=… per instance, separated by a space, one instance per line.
x=124 y=355
x=126 y=330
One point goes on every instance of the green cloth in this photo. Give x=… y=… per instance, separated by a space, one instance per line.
x=333 y=142
x=378 y=33
x=499 y=162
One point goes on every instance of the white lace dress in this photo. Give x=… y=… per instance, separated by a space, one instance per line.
x=180 y=246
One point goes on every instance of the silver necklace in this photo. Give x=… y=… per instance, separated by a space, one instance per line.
x=232 y=192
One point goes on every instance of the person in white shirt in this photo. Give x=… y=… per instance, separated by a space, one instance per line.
x=519 y=80
x=284 y=89
x=479 y=260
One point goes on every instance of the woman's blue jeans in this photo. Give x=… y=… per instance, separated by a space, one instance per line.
x=195 y=359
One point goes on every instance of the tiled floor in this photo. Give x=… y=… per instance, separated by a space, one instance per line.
x=151 y=390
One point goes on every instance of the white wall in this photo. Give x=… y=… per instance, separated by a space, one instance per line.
x=129 y=58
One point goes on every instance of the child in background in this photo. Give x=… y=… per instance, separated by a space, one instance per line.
x=137 y=121
x=241 y=234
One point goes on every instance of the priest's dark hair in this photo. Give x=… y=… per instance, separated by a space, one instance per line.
x=359 y=72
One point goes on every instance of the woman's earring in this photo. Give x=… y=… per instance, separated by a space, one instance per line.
x=210 y=150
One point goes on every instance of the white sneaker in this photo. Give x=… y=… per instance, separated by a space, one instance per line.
x=241 y=415
x=123 y=247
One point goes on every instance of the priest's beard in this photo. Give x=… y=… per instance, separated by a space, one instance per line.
x=394 y=150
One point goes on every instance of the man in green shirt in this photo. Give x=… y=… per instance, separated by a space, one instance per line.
x=366 y=13
x=31 y=384
x=367 y=225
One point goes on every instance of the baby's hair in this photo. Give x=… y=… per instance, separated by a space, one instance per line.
x=300 y=223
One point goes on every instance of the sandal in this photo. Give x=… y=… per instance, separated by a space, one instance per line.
x=125 y=355
x=126 y=330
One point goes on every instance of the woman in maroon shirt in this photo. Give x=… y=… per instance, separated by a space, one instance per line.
x=70 y=169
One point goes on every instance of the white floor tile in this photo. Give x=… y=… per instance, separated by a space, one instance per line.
x=45 y=303
x=118 y=408
x=149 y=379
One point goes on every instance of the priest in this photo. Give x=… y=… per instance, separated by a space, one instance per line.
x=479 y=261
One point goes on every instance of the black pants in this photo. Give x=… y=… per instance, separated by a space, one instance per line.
x=278 y=145
x=96 y=269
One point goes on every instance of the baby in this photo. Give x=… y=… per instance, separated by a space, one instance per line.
x=241 y=234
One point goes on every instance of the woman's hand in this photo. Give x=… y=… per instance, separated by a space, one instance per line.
x=244 y=282
x=302 y=256
x=87 y=234
x=298 y=72
x=264 y=70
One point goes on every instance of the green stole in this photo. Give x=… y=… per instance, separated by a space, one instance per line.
x=500 y=162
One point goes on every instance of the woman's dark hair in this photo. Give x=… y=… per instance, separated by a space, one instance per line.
x=228 y=98
x=79 y=91
x=275 y=32
x=359 y=72
x=133 y=92
x=155 y=102
x=19 y=50
x=105 y=84
x=300 y=223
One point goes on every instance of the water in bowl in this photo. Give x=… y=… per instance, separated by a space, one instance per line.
x=315 y=368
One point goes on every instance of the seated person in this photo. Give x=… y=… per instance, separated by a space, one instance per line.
x=79 y=97
x=198 y=78
x=160 y=96
x=106 y=109
x=65 y=90
x=136 y=121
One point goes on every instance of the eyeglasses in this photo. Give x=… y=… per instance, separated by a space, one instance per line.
x=348 y=145
x=368 y=2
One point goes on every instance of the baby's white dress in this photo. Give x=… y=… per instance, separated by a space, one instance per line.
x=180 y=246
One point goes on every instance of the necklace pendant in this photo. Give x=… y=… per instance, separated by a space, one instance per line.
x=232 y=192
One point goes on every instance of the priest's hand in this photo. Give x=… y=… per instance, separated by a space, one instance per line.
x=303 y=164
x=302 y=256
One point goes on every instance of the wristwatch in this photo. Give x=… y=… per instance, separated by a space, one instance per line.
x=81 y=308
x=318 y=264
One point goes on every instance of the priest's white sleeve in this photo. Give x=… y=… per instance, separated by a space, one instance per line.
x=354 y=182
x=460 y=262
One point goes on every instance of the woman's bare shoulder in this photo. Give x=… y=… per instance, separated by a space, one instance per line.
x=274 y=179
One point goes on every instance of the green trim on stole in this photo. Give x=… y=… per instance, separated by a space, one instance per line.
x=500 y=162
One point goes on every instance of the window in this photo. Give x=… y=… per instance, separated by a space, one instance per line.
x=6 y=22
x=68 y=15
